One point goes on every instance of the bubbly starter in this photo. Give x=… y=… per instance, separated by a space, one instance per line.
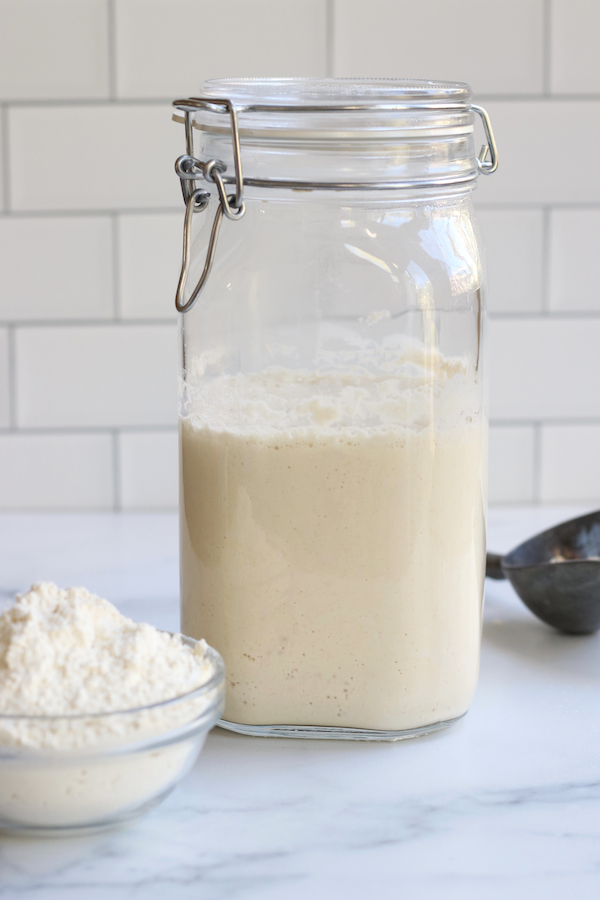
x=333 y=541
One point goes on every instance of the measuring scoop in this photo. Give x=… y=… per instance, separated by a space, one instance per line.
x=557 y=574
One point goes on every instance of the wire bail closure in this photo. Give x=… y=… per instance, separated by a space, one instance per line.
x=190 y=170
x=485 y=166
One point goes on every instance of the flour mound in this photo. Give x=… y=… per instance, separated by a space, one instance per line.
x=67 y=652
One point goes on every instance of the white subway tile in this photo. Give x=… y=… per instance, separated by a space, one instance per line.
x=52 y=50
x=570 y=470
x=574 y=279
x=167 y=48
x=150 y=249
x=49 y=471
x=544 y=368
x=496 y=49
x=547 y=151
x=94 y=157
x=574 y=29
x=513 y=242
x=511 y=464
x=148 y=470
x=4 y=380
x=55 y=268
x=105 y=375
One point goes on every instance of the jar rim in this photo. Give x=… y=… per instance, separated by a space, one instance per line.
x=264 y=94
x=335 y=111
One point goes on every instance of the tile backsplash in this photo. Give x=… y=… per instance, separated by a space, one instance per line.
x=91 y=218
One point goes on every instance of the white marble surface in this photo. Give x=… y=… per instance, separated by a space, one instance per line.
x=506 y=804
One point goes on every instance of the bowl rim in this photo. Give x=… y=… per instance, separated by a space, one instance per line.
x=215 y=680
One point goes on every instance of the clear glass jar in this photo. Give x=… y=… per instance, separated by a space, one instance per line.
x=333 y=430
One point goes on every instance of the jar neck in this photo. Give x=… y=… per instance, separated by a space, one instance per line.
x=313 y=161
x=439 y=195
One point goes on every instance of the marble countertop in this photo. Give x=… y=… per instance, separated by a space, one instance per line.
x=506 y=804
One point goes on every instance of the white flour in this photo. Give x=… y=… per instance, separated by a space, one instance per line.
x=69 y=653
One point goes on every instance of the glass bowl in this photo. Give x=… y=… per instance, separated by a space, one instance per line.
x=69 y=774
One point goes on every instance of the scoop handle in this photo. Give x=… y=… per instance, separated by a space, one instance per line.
x=493 y=567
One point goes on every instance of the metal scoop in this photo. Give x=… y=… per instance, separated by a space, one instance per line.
x=557 y=574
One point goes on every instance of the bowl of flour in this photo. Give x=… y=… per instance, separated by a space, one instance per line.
x=100 y=716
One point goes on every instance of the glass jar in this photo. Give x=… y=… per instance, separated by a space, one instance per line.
x=332 y=421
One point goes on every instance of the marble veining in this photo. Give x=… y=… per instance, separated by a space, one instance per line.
x=504 y=804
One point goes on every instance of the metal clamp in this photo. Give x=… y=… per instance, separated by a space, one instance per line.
x=197 y=201
x=486 y=166
x=189 y=169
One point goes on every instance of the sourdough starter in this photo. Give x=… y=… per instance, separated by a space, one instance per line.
x=333 y=541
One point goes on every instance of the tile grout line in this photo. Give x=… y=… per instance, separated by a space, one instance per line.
x=5 y=176
x=108 y=102
x=86 y=102
x=12 y=379
x=164 y=322
x=487 y=206
x=540 y=97
x=92 y=213
x=537 y=462
x=575 y=421
x=116 y=266
x=172 y=210
x=557 y=421
x=176 y=210
x=116 y=467
x=545 y=281
x=114 y=100
x=329 y=37
x=583 y=315
x=555 y=314
x=112 y=50
x=89 y=323
x=547 y=48
x=45 y=431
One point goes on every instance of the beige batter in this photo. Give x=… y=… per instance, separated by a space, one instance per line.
x=332 y=541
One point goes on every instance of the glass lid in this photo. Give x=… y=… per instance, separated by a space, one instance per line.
x=335 y=133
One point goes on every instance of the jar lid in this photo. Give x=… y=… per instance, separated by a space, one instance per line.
x=329 y=109
x=302 y=136
x=338 y=132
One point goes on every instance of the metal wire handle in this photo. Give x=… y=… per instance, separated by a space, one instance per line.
x=189 y=169
x=198 y=199
x=485 y=166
